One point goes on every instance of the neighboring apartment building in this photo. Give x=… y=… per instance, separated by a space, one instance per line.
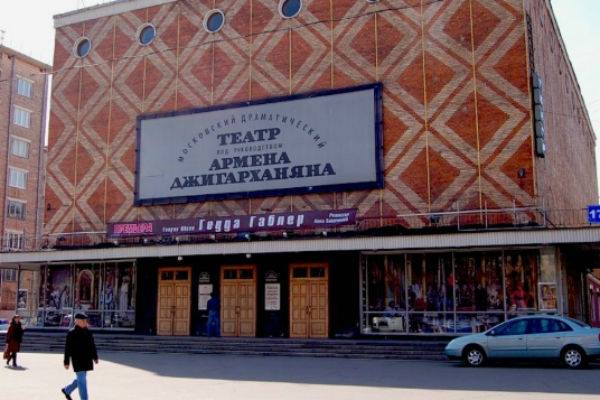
x=23 y=107
x=324 y=167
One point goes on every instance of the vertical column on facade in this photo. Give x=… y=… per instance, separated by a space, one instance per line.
x=9 y=120
x=270 y=71
x=310 y=69
x=425 y=109
x=476 y=100
x=174 y=213
x=81 y=67
x=250 y=66
x=143 y=102
x=109 y=124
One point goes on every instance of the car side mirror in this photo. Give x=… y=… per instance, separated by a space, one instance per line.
x=491 y=333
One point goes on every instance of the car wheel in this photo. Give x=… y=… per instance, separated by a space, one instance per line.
x=474 y=356
x=573 y=357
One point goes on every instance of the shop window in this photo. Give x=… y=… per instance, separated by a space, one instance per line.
x=28 y=297
x=290 y=8
x=461 y=292
x=105 y=292
x=8 y=290
x=214 y=21
x=430 y=293
x=479 y=282
x=58 y=299
x=521 y=280
x=386 y=309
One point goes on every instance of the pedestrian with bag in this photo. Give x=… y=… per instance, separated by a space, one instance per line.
x=80 y=349
x=14 y=337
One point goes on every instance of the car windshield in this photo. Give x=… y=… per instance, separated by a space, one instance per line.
x=578 y=323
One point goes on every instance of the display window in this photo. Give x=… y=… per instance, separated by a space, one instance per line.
x=28 y=296
x=104 y=291
x=454 y=292
x=387 y=294
x=521 y=281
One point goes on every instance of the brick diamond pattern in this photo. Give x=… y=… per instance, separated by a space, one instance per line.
x=457 y=125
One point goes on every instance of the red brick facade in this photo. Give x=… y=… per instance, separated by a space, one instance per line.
x=457 y=103
x=567 y=176
x=12 y=67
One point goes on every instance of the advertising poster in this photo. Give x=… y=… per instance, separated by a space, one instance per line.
x=272 y=296
x=204 y=291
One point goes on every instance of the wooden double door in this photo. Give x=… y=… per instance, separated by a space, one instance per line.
x=309 y=300
x=238 y=300
x=174 y=301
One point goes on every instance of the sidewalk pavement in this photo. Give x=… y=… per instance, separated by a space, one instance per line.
x=223 y=377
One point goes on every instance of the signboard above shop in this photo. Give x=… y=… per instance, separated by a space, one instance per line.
x=291 y=221
x=326 y=141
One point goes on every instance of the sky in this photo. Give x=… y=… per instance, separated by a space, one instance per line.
x=29 y=29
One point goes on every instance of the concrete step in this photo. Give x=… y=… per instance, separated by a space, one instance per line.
x=39 y=341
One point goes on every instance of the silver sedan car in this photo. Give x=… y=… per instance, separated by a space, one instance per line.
x=533 y=337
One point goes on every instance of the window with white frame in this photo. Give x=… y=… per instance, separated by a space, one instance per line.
x=19 y=147
x=24 y=87
x=14 y=240
x=17 y=178
x=16 y=209
x=22 y=117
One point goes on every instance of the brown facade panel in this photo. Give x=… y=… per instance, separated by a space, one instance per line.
x=456 y=104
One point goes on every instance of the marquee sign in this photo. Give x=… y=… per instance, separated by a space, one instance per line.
x=234 y=224
x=326 y=141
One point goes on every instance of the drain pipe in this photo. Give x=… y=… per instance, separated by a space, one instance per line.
x=8 y=131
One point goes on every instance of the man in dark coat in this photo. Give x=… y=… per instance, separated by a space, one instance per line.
x=14 y=337
x=81 y=350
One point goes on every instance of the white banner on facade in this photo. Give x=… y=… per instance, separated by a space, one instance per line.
x=302 y=144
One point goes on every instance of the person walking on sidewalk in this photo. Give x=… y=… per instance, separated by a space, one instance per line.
x=14 y=337
x=81 y=350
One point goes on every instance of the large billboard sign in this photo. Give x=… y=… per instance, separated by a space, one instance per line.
x=326 y=141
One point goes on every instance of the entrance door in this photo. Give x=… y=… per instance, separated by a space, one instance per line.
x=309 y=300
x=238 y=300
x=174 y=300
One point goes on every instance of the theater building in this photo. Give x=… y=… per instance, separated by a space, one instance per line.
x=324 y=168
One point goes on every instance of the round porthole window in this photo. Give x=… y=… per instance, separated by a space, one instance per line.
x=146 y=34
x=214 y=21
x=290 y=8
x=82 y=47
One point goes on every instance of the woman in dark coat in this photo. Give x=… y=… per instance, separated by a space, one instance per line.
x=14 y=337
